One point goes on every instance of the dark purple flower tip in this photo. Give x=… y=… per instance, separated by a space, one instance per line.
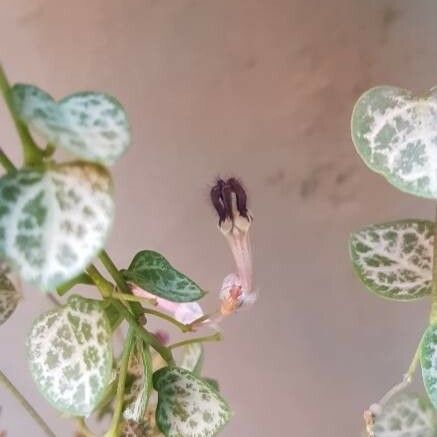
x=225 y=195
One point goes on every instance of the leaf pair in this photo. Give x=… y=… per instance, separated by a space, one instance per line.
x=55 y=218
x=91 y=125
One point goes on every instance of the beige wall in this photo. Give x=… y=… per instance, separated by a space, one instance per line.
x=263 y=90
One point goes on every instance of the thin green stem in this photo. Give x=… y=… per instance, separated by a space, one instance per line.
x=114 y=272
x=26 y=405
x=181 y=326
x=83 y=428
x=214 y=337
x=6 y=163
x=119 y=280
x=132 y=298
x=119 y=397
x=406 y=380
x=148 y=338
x=83 y=278
x=106 y=288
x=433 y=316
x=32 y=153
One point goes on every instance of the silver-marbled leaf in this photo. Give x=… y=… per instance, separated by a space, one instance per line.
x=394 y=260
x=428 y=362
x=92 y=125
x=187 y=405
x=70 y=355
x=54 y=221
x=406 y=415
x=153 y=273
x=9 y=295
x=395 y=133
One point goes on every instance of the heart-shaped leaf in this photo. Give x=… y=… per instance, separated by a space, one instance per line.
x=153 y=273
x=70 y=355
x=428 y=362
x=92 y=125
x=9 y=295
x=192 y=358
x=407 y=415
x=394 y=260
x=187 y=405
x=396 y=135
x=141 y=371
x=53 y=222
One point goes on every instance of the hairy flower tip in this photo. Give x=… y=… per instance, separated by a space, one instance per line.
x=230 y=200
x=233 y=296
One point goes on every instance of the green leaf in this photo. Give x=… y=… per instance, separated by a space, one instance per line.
x=213 y=383
x=428 y=362
x=137 y=397
x=153 y=273
x=395 y=133
x=406 y=415
x=187 y=405
x=53 y=222
x=91 y=125
x=394 y=259
x=114 y=316
x=9 y=295
x=192 y=358
x=70 y=355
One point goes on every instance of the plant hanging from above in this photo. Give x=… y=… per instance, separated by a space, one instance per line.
x=395 y=133
x=54 y=220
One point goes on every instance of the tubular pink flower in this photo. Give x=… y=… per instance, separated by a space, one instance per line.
x=230 y=202
x=186 y=312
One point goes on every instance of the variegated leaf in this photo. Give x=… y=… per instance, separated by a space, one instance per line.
x=153 y=273
x=136 y=398
x=192 y=358
x=130 y=428
x=394 y=260
x=406 y=415
x=92 y=125
x=9 y=294
x=70 y=355
x=187 y=405
x=53 y=222
x=428 y=362
x=395 y=133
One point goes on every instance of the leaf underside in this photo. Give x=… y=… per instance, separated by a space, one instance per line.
x=395 y=133
x=153 y=273
x=407 y=415
x=53 y=222
x=141 y=371
x=394 y=260
x=70 y=355
x=91 y=125
x=187 y=405
x=192 y=358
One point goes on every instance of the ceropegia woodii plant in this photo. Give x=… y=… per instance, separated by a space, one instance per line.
x=55 y=218
x=395 y=133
